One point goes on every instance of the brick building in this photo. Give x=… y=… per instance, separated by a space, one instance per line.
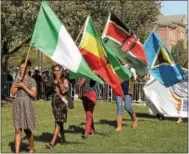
x=172 y=28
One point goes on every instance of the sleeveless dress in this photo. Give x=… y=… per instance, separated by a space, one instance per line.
x=89 y=90
x=23 y=111
x=59 y=106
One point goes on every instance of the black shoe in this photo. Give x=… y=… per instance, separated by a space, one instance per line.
x=63 y=141
x=84 y=136
x=49 y=145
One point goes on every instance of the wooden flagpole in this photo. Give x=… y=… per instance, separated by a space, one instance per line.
x=26 y=60
x=80 y=32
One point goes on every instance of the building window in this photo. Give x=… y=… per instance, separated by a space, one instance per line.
x=170 y=34
x=170 y=47
x=181 y=35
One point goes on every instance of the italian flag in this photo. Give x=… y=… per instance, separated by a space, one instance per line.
x=92 y=48
x=51 y=37
x=124 y=44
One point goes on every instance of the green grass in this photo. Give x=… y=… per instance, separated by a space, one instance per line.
x=152 y=135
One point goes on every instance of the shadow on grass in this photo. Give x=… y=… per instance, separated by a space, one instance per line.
x=112 y=123
x=44 y=137
x=74 y=129
x=47 y=137
x=145 y=115
x=96 y=133
x=23 y=147
x=157 y=116
x=108 y=122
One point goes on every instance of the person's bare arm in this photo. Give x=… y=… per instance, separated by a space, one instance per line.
x=30 y=91
x=14 y=89
x=64 y=86
x=82 y=82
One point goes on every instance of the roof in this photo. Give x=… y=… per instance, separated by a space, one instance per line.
x=172 y=19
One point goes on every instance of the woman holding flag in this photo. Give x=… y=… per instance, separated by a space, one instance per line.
x=23 y=112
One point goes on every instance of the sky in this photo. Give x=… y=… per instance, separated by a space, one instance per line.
x=174 y=7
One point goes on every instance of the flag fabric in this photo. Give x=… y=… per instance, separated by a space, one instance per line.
x=51 y=37
x=91 y=47
x=161 y=64
x=129 y=42
x=169 y=101
x=123 y=73
x=124 y=44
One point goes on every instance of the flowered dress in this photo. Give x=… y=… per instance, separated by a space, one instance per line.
x=59 y=105
x=23 y=110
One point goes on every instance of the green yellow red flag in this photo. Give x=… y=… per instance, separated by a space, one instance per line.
x=93 y=50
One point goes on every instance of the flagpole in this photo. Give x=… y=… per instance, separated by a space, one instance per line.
x=122 y=8
x=80 y=32
x=27 y=55
x=26 y=60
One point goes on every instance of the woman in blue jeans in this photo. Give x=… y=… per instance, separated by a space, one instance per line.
x=127 y=87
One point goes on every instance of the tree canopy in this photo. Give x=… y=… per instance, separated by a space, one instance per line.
x=18 y=20
x=180 y=54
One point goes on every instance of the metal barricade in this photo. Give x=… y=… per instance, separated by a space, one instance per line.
x=138 y=93
x=105 y=92
x=5 y=89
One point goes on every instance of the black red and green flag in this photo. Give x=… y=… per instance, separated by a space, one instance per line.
x=124 y=44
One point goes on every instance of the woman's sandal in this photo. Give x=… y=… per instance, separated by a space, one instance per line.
x=179 y=121
x=32 y=151
x=63 y=141
x=84 y=136
x=49 y=145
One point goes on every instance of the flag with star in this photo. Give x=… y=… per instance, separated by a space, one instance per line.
x=161 y=64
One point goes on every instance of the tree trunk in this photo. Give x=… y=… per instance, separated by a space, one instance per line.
x=4 y=62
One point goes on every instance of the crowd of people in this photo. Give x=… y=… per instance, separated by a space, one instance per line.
x=26 y=86
x=43 y=83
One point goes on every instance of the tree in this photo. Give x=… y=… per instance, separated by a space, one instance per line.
x=34 y=57
x=141 y=16
x=180 y=54
x=16 y=27
x=18 y=19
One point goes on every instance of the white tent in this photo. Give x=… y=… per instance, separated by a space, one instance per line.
x=170 y=102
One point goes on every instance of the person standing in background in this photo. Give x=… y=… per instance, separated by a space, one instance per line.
x=38 y=80
x=47 y=84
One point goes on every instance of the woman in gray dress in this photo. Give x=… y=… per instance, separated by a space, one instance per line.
x=23 y=112
x=59 y=104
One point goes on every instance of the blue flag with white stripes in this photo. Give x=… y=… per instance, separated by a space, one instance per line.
x=161 y=63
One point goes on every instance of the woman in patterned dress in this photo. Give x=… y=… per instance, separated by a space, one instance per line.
x=59 y=104
x=23 y=112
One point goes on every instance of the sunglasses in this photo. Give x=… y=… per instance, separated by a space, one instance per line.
x=56 y=70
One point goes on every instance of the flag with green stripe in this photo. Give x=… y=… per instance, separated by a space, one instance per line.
x=51 y=37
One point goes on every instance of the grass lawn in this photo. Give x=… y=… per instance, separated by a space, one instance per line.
x=151 y=135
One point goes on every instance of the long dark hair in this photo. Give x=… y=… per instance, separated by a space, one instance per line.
x=59 y=66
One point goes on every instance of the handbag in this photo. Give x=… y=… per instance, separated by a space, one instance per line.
x=70 y=102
